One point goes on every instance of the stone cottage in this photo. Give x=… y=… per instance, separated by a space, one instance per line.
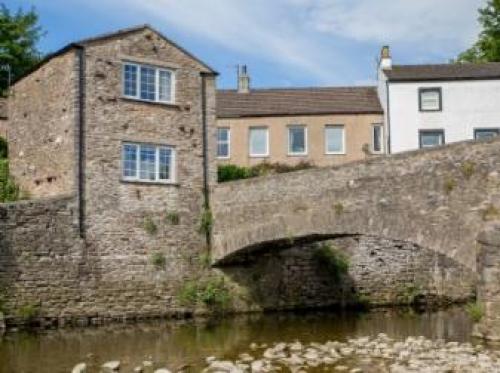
x=123 y=123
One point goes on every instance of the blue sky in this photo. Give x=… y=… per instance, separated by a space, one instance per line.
x=284 y=42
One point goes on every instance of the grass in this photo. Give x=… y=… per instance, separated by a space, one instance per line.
x=490 y=213
x=172 y=218
x=206 y=221
x=475 y=311
x=9 y=191
x=205 y=260
x=158 y=260
x=150 y=226
x=409 y=294
x=449 y=185
x=468 y=168
x=331 y=260
x=213 y=293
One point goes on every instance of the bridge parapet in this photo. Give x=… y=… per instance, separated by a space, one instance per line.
x=437 y=198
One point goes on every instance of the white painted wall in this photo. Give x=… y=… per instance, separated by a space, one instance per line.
x=466 y=105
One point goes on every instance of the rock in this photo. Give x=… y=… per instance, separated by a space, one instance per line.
x=138 y=370
x=111 y=366
x=254 y=346
x=341 y=368
x=147 y=363
x=210 y=359
x=257 y=366
x=80 y=368
x=162 y=370
x=296 y=346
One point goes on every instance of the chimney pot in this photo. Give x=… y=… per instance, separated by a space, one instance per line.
x=243 y=79
x=385 y=58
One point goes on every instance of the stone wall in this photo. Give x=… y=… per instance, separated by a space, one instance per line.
x=380 y=272
x=488 y=297
x=438 y=199
x=42 y=119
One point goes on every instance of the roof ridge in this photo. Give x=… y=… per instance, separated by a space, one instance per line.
x=318 y=88
x=448 y=64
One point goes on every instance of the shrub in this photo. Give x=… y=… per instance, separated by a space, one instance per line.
x=206 y=221
x=173 y=218
x=4 y=148
x=158 y=260
x=150 y=226
x=475 y=311
x=490 y=213
x=339 y=208
x=332 y=260
x=9 y=191
x=468 y=168
x=409 y=294
x=449 y=185
x=29 y=312
x=205 y=259
x=230 y=172
x=213 y=293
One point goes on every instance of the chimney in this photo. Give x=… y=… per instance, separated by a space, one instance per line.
x=243 y=79
x=385 y=58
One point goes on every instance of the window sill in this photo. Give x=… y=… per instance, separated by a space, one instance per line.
x=144 y=182
x=259 y=156
x=297 y=154
x=157 y=103
x=223 y=158
x=342 y=153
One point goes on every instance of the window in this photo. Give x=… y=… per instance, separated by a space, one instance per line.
x=486 y=133
x=431 y=138
x=430 y=99
x=149 y=163
x=297 y=140
x=223 y=142
x=259 y=142
x=148 y=83
x=334 y=139
x=377 y=138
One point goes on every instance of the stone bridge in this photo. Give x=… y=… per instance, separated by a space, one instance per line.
x=439 y=199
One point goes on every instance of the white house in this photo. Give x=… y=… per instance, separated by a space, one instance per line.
x=429 y=105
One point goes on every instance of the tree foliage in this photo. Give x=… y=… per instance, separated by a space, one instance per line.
x=19 y=35
x=487 y=48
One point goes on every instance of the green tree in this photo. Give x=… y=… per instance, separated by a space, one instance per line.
x=19 y=35
x=487 y=48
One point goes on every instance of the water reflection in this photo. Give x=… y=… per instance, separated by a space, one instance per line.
x=176 y=344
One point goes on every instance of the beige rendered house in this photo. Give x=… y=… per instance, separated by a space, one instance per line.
x=322 y=126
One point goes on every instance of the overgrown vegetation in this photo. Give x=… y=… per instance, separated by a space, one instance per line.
x=449 y=185
x=149 y=226
x=339 y=208
x=213 y=293
x=205 y=260
x=475 y=311
x=172 y=218
x=229 y=172
x=331 y=260
x=468 y=168
x=206 y=221
x=158 y=260
x=9 y=191
x=28 y=312
x=409 y=294
x=490 y=213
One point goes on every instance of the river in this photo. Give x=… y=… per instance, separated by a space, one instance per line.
x=177 y=344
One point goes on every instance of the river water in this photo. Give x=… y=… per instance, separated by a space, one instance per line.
x=177 y=344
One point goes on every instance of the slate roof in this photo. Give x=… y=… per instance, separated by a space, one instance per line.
x=458 y=71
x=298 y=101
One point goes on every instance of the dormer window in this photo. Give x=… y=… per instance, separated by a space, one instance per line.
x=148 y=83
x=430 y=99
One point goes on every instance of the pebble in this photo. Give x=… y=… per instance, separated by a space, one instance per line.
x=111 y=366
x=80 y=368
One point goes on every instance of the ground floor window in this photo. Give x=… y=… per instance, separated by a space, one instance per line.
x=223 y=143
x=334 y=139
x=259 y=142
x=431 y=138
x=148 y=163
x=297 y=140
x=486 y=133
x=377 y=138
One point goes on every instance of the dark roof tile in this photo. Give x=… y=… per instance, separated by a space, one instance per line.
x=298 y=101
x=458 y=71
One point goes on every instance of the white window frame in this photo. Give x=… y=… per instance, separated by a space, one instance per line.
x=381 y=138
x=228 y=129
x=254 y=155
x=294 y=126
x=343 y=152
x=137 y=178
x=157 y=83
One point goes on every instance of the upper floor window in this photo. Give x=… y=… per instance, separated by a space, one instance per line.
x=431 y=138
x=430 y=99
x=335 y=139
x=377 y=138
x=486 y=133
x=148 y=163
x=223 y=142
x=259 y=142
x=297 y=140
x=148 y=83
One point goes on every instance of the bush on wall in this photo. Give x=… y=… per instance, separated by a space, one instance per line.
x=230 y=172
